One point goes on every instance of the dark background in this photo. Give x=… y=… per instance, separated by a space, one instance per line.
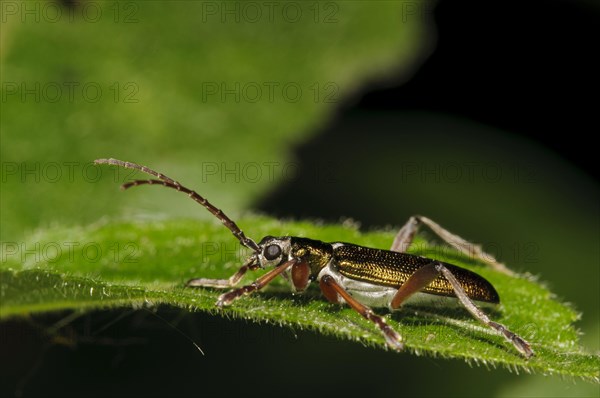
x=526 y=68
x=523 y=67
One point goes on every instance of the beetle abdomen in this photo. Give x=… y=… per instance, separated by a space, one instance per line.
x=392 y=269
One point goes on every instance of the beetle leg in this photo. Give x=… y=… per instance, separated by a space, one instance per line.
x=219 y=283
x=229 y=297
x=405 y=236
x=331 y=289
x=415 y=283
x=426 y=274
x=300 y=276
x=224 y=283
x=521 y=345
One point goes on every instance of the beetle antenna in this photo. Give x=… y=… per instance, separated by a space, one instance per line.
x=170 y=183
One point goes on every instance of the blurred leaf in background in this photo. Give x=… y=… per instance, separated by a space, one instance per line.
x=215 y=92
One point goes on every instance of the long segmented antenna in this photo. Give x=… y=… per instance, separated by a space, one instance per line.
x=170 y=183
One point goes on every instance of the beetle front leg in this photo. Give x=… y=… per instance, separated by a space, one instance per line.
x=332 y=290
x=219 y=283
x=405 y=236
x=227 y=298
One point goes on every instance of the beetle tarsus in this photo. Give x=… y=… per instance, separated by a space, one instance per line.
x=224 y=301
x=393 y=339
x=520 y=344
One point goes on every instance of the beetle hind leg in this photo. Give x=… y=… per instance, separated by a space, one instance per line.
x=519 y=343
x=405 y=236
x=426 y=274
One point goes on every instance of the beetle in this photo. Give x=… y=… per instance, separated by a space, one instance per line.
x=359 y=276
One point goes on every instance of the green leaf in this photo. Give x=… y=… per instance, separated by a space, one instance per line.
x=204 y=94
x=146 y=264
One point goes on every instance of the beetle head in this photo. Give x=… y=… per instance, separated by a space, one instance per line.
x=272 y=252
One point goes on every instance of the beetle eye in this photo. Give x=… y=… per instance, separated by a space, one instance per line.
x=272 y=252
